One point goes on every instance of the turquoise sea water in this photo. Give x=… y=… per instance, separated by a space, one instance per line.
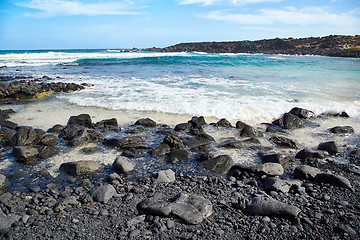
x=252 y=87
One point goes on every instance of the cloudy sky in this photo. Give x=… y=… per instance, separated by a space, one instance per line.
x=58 y=24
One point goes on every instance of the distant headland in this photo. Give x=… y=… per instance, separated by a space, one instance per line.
x=333 y=46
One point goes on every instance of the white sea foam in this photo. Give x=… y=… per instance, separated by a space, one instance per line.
x=178 y=97
x=54 y=58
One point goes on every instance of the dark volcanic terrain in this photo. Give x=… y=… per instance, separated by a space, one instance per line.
x=333 y=46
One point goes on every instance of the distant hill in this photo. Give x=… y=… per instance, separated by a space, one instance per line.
x=333 y=45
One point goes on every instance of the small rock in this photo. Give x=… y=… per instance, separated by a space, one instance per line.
x=220 y=164
x=183 y=127
x=276 y=184
x=49 y=140
x=48 y=152
x=103 y=193
x=135 y=221
x=7 y=221
x=4 y=184
x=177 y=155
x=123 y=165
x=25 y=136
x=249 y=131
x=193 y=209
x=343 y=228
x=270 y=158
x=223 y=123
x=55 y=129
x=160 y=150
x=342 y=129
x=9 y=124
x=134 y=233
x=165 y=176
x=68 y=201
x=146 y=122
x=325 y=197
x=104 y=212
x=81 y=168
x=170 y=223
x=25 y=153
x=353 y=168
x=290 y=121
x=316 y=175
x=198 y=121
x=107 y=123
x=305 y=154
x=81 y=120
x=265 y=205
x=302 y=113
x=284 y=142
x=272 y=169
x=174 y=141
x=330 y=147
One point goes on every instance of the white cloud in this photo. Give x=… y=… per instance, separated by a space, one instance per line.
x=51 y=8
x=233 y=2
x=290 y=15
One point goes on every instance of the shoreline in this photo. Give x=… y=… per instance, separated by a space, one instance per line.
x=331 y=46
x=194 y=163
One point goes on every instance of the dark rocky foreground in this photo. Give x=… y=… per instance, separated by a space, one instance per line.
x=302 y=195
x=333 y=46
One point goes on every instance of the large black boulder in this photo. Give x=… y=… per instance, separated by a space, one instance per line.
x=107 y=123
x=223 y=123
x=342 y=129
x=249 y=131
x=197 y=121
x=220 y=164
x=174 y=141
x=290 y=121
x=302 y=113
x=330 y=147
x=25 y=153
x=81 y=120
x=146 y=122
x=25 y=136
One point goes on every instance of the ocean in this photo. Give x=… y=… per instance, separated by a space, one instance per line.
x=248 y=87
x=170 y=88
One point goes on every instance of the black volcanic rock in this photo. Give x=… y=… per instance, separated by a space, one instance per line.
x=333 y=46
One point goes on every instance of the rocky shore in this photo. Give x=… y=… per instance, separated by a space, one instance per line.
x=333 y=46
x=294 y=193
x=26 y=87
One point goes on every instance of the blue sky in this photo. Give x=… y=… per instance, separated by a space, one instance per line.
x=58 y=24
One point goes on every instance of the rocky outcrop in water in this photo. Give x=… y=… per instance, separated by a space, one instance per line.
x=333 y=46
x=17 y=88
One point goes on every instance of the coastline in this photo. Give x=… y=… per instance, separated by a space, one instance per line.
x=323 y=206
x=332 y=46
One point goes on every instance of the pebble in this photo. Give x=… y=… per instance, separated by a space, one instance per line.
x=325 y=197
x=220 y=232
x=170 y=223
x=104 y=212
x=31 y=212
x=74 y=220
x=273 y=225
x=329 y=211
x=266 y=219
x=134 y=233
x=25 y=218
